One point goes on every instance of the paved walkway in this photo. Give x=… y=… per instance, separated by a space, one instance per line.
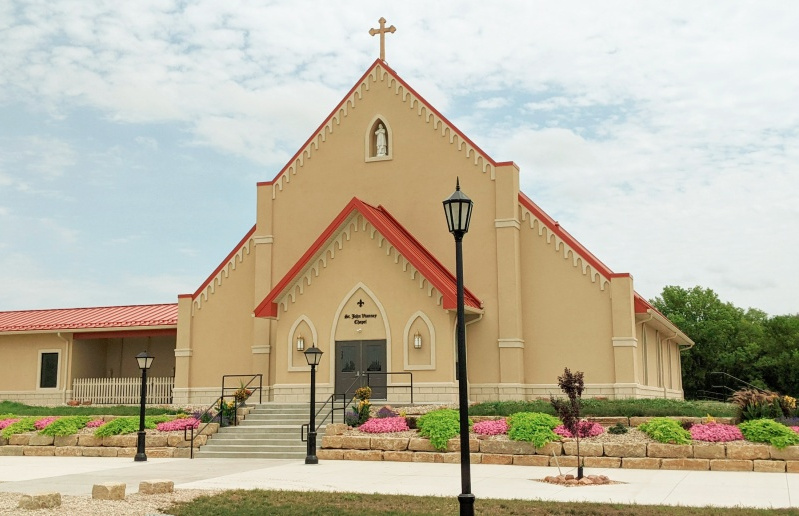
x=76 y=475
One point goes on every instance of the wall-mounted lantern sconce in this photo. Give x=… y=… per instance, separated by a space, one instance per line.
x=300 y=343
x=417 y=340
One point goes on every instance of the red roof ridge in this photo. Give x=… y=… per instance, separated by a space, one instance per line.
x=350 y=97
x=221 y=265
x=564 y=235
x=405 y=243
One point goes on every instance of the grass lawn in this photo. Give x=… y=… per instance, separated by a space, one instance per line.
x=285 y=503
x=20 y=409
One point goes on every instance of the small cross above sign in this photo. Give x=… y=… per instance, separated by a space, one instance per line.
x=360 y=302
x=382 y=31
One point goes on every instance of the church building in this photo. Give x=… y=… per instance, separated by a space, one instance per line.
x=350 y=252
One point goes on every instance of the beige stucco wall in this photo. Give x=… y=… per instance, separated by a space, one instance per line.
x=19 y=368
x=222 y=325
x=89 y=358
x=567 y=316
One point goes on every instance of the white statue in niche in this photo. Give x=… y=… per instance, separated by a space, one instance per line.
x=380 y=142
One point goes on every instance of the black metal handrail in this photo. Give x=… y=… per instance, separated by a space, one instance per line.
x=242 y=385
x=739 y=380
x=220 y=400
x=370 y=373
x=331 y=413
x=217 y=403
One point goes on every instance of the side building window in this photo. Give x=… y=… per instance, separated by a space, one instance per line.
x=48 y=370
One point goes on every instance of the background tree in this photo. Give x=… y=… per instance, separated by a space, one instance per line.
x=747 y=344
x=779 y=361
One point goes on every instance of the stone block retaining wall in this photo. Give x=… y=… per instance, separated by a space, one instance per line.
x=713 y=457
x=88 y=445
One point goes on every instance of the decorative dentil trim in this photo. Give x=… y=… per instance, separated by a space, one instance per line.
x=554 y=240
x=354 y=223
x=378 y=75
x=224 y=272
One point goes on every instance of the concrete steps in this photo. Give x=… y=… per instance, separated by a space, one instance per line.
x=269 y=431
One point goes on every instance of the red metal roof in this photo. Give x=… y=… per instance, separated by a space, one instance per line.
x=83 y=318
x=430 y=268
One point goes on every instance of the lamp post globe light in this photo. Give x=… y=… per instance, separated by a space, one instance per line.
x=312 y=355
x=458 y=210
x=145 y=361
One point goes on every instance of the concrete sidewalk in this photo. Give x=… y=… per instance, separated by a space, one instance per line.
x=76 y=475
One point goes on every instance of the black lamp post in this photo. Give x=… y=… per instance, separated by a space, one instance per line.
x=312 y=355
x=145 y=361
x=458 y=209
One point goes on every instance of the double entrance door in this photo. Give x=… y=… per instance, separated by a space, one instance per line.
x=356 y=358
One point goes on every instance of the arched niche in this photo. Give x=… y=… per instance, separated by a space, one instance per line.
x=424 y=358
x=305 y=327
x=373 y=152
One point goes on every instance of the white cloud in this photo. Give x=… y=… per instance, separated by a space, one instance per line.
x=665 y=137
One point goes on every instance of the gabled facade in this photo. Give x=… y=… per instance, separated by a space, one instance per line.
x=350 y=252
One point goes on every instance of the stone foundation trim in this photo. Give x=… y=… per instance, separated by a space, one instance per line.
x=51 y=397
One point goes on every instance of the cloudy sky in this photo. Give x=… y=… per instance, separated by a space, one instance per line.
x=663 y=135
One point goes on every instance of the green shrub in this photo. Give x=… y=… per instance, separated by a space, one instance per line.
x=128 y=425
x=769 y=431
x=66 y=426
x=612 y=408
x=440 y=426
x=534 y=427
x=618 y=429
x=665 y=430
x=26 y=424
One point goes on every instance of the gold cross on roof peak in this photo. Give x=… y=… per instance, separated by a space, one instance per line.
x=382 y=31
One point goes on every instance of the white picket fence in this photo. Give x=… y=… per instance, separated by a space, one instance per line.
x=122 y=391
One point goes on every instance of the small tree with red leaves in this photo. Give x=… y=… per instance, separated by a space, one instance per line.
x=569 y=410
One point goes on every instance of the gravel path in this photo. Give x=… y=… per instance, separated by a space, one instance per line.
x=133 y=505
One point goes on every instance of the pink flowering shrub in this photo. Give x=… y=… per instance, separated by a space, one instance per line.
x=44 y=422
x=10 y=421
x=716 y=433
x=586 y=429
x=95 y=423
x=178 y=424
x=384 y=425
x=496 y=427
x=794 y=428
